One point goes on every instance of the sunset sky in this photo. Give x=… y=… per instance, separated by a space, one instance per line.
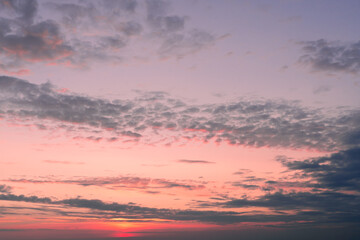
x=191 y=119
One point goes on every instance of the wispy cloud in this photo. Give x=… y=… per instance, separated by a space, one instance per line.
x=61 y=162
x=194 y=161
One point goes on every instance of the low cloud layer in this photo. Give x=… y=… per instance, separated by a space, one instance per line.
x=128 y=183
x=325 y=203
x=323 y=55
x=254 y=123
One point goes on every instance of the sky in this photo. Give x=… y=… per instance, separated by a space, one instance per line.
x=194 y=119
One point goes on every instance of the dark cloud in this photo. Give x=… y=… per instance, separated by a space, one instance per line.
x=327 y=201
x=323 y=55
x=22 y=198
x=333 y=185
x=245 y=122
x=328 y=210
x=247 y=186
x=340 y=170
x=194 y=161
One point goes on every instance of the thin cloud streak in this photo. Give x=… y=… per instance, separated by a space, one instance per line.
x=194 y=161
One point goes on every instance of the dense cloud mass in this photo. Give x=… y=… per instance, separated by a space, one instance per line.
x=244 y=122
x=326 y=202
x=64 y=36
x=341 y=170
x=323 y=55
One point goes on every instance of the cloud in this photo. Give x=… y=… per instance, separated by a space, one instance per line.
x=24 y=9
x=246 y=186
x=329 y=211
x=338 y=171
x=194 y=161
x=40 y=42
x=119 y=183
x=322 y=89
x=22 y=198
x=24 y=40
x=255 y=123
x=323 y=201
x=332 y=184
x=79 y=33
x=333 y=197
x=323 y=55
x=61 y=162
x=5 y=188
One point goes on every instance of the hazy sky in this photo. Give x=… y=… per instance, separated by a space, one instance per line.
x=179 y=119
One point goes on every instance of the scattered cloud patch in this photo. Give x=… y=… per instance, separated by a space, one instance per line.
x=323 y=55
x=79 y=33
x=247 y=122
x=5 y=188
x=322 y=89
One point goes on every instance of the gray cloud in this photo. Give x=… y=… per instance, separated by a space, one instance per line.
x=180 y=45
x=247 y=186
x=244 y=122
x=39 y=42
x=119 y=182
x=323 y=55
x=323 y=201
x=194 y=161
x=340 y=170
x=124 y=5
x=322 y=89
x=5 y=188
x=24 y=9
x=60 y=33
